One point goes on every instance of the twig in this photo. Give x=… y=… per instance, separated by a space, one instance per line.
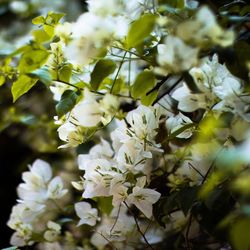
x=168 y=90
x=116 y=219
x=118 y=71
x=138 y=227
x=133 y=53
x=107 y=240
x=187 y=232
x=158 y=85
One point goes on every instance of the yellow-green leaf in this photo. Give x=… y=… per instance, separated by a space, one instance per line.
x=38 y=20
x=32 y=60
x=22 y=86
x=103 y=68
x=2 y=80
x=144 y=82
x=139 y=30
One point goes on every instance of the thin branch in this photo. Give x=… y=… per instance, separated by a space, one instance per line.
x=111 y=244
x=117 y=74
x=158 y=85
x=118 y=213
x=69 y=84
x=188 y=230
x=168 y=90
x=133 y=53
x=195 y=169
x=138 y=227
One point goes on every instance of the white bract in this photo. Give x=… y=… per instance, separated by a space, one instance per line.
x=175 y=56
x=38 y=188
x=143 y=199
x=204 y=29
x=87 y=214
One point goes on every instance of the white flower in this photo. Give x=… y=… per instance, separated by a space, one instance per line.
x=99 y=151
x=173 y=123
x=204 y=29
x=189 y=102
x=105 y=8
x=87 y=214
x=143 y=199
x=91 y=34
x=87 y=112
x=55 y=188
x=175 y=56
x=36 y=181
x=17 y=240
x=114 y=229
x=70 y=133
x=51 y=234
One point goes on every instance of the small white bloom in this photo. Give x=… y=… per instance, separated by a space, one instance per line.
x=173 y=123
x=55 y=188
x=143 y=199
x=53 y=231
x=204 y=29
x=87 y=214
x=175 y=56
x=70 y=133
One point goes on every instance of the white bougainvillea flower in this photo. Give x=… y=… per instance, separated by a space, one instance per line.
x=70 y=133
x=38 y=186
x=52 y=232
x=56 y=189
x=87 y=112
x=35 y=183
x=102 y=150
x=143 y=199
x=204 y=29
x=105 y=8
x=175 y=56
x=189 y=102
x=173 y=123
x=87 y=214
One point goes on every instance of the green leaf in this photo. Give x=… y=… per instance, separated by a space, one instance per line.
x=67 y=102
x=144 y=82
x=148 y=100
x=105 y=204
x=65 y=73
x=139 y=30
x=38 y=20
x=103 y=68
x=40 y=36
x=22 y=86
x=43 y=75
x=239 y=234
x=2 y=80
x=211 y=183
x=54 y=18
x=32 y=60
x=49 y=30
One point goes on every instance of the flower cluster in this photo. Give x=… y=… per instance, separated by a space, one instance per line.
x=146 y=83
x=34 y=194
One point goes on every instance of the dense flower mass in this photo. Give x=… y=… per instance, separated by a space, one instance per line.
x=155 y=117
x=35 y=194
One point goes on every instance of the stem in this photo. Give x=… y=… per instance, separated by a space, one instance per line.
x=118 y=71
x=158 y=85
x=138 y=227
x=69 y=84
x=187 y=232
x=133 y=53
x=111 y=244
x=168 y=90
x=116 y=218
